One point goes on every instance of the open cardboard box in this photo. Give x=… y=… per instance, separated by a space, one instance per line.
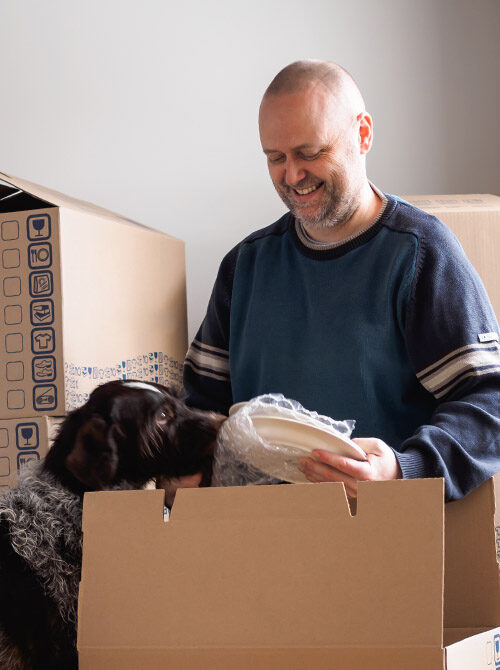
x=85 y=296
x=284 y=577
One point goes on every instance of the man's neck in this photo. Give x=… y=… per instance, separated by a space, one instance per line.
x=369 y=207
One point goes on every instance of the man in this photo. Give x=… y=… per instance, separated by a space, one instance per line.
x=354 y=303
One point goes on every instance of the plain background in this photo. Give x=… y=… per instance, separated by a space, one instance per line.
x=150 y=108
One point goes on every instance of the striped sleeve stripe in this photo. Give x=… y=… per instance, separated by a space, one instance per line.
x=200 y=346
x=206 y=373
x=208 y=361
x=472 y=360
x=454 y=354
x=439 y=393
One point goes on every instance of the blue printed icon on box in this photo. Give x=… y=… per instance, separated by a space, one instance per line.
x=42 y=312
x=41 y=283
x=27 y=435
x=39 y=227
x=43 y=340
x=26 y=457
x=45 y=397
x=43 y=368
x=40 y=255
x=496 y=647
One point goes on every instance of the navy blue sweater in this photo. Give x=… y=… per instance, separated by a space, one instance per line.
x=392 y=328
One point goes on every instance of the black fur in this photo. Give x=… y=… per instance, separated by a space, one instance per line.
x=124 y=436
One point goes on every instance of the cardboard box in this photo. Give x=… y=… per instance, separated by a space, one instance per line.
x=22 y=441
x=284 y=577
x=475 y=220
x=85 y=296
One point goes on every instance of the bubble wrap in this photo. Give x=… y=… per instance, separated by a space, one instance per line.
x=240 y=449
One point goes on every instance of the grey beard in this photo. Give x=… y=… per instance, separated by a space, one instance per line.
x=332 y=215
x=321 y=224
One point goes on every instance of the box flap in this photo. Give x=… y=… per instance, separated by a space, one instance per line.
x=19 y=202
x=13 y=199
x=472 y=578
x=300 y=501
x=263 y=578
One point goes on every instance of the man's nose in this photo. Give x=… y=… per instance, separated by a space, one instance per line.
x=294 y=172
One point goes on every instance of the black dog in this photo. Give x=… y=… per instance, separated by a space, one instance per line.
x=125 y=435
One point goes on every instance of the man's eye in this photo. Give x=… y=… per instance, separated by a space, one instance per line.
x=275 y=159
x=311 y=157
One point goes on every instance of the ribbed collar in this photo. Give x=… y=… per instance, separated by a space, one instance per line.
x=328 y=250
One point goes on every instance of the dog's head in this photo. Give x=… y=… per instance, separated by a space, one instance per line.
x=132 y=432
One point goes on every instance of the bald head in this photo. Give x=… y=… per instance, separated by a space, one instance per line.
x=308 y=74
x=315 y=132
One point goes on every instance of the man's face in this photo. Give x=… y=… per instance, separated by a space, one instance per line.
x=312 y=148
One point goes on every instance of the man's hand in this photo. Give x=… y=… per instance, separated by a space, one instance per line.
x=380 y=465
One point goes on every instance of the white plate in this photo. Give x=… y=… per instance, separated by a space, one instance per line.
x=234 y=408
x=296 y=440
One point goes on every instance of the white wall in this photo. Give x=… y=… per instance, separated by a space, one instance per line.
x=150 y=108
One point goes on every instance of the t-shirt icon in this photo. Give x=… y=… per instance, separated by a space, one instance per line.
x=42 y=340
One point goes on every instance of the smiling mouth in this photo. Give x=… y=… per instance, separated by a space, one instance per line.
x=306 y=191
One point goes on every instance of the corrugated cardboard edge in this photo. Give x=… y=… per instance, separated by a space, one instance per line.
x=60 y=200
x=300 y=658
x=468 y=202
x=474 y=650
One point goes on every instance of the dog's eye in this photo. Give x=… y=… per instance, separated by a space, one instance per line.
x=163 y=416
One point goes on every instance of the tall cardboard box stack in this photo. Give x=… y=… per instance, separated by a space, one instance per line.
x=86 y=296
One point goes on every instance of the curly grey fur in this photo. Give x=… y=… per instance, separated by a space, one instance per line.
x=45 y=530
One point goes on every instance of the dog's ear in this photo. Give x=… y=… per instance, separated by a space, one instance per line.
x=93 y=460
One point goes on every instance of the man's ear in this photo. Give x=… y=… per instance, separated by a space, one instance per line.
x=365 y=132
x=93 y=460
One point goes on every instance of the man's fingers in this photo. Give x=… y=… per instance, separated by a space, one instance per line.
x=380 y=464
x=348 y=466
x=319 y=472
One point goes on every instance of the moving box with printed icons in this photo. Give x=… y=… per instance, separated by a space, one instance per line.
x=287 y=578
x=23 y=441
x=85 y=296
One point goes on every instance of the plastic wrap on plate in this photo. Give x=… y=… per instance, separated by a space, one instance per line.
x=262 y=440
